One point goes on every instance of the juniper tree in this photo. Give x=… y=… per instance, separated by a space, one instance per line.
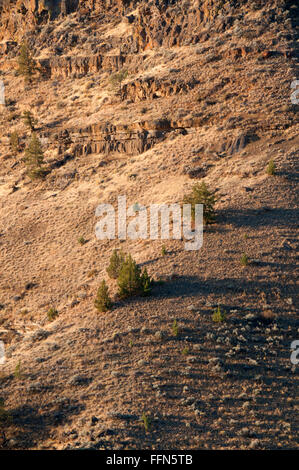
x=26 y=64
x=131 y=281
x=14 y=141
x=52 y=314
x=103 y=302
x=218 y=316
x=116 y=261
x=117 y=78
x=34 y=158
x=175 y=328
x=29 y=120
x=200 y=194
x=271 y=168
x=146 y=283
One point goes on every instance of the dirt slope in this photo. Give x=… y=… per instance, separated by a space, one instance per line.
x=207 y=97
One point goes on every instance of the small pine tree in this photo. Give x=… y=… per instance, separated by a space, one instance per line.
x=201 y=195
x=81 y=240
x=116 y=261
x=218 y=316
x=244 y=260
x=146 y=422
x=29 y=120
x=117 y=78
x=52 y=314
x=34 y=158
x=103 y=302
x=26 y=64
x=271 y=168
x=18 y=372
x=163 y=250
x=175 y=328
x=129 y=279
x=146 y=283
x=14 y=141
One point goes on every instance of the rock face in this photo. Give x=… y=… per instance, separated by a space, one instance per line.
x=129 y=139
x=151 y=88
x=154 y=23
x=138 y=26
x=64 y=67
x=29 y=13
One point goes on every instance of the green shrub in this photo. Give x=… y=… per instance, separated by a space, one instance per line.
x=271 y=168
x=116 y=261
x=103 y=302
x=244 y=260
x=175 y=328
x=146 y=283
x=201 y=195
x=52 y=314
x=17 y=372
x=82 y=240
x=14 y=141
x=26 y=64
x=163 y=250
x=146 y=422
x=34 y=158
x=218 y=316
x=131 y=281
x=29 y=120
x=117 y=78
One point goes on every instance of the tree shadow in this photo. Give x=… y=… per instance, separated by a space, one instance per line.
x=264 y=217
x=34 y=423
x=185 y=286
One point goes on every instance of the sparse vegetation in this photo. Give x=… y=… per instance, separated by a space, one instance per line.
x=206 y=361
x=175 y=328
x=200 y=194
x=29 y=120
x=92 y=273
x=81 y=240
x=34 y=158
x=103 y=301
x=116 y=261
x=218 y=316
x=271 y=168
x=146 y=422
x=131 y=281
x=244 y=260
x=14 y=141
x=17 y=372
x=146 y=283
x=52 y=314
x=117 y=79
x=26 y=64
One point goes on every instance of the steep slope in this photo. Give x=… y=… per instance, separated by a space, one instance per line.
x=205 y=97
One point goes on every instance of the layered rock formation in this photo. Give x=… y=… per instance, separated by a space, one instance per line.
x=130 y=139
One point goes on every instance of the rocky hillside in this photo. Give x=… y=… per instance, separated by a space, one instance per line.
x=146 y=99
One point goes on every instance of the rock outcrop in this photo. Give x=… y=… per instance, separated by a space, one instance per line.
x=129 y=139
x=151 y=88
